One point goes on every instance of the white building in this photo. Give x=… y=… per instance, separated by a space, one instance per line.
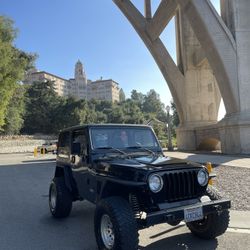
x=103 y=90
x=79 y=86
x=60 y=84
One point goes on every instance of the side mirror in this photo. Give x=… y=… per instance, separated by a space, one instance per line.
x=76 y=148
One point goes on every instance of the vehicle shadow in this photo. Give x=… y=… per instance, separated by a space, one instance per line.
x=182 y=241
x=75 y=232
x=81 y=223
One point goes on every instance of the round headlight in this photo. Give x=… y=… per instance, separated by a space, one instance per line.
x=202 y=177
x=155 y=183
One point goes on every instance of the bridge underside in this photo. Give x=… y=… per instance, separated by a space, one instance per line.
x=213 y=59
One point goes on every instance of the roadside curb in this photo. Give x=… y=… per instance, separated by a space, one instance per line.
x=239 y=220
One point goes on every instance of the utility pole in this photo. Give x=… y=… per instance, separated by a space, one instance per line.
x=170 y=146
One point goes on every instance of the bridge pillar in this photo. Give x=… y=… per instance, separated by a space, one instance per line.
x=202 y=96
x=235 y=127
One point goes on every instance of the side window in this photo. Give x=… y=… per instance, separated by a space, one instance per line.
x=64 y=143
x=100 y=138
x=80 y=136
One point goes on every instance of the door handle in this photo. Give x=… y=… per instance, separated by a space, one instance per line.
x=73 y=159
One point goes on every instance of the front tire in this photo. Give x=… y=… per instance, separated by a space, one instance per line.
x=60 y=198
x=115 y=225
x=212 y=225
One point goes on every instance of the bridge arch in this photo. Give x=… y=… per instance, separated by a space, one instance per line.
x=211 y=63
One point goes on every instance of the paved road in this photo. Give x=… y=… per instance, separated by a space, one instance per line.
x=215 y=159
x=26 y=224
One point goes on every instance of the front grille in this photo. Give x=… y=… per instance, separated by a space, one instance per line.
x=180 y=185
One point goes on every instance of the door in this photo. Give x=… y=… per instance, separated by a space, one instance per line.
x=63 y=154
x=83 y=174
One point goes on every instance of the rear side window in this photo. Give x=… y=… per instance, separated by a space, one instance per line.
x=64 y=143
x=80 y=137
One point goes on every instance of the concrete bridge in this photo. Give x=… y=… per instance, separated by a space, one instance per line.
x=213 y=58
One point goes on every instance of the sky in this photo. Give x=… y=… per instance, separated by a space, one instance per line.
x=96 y=33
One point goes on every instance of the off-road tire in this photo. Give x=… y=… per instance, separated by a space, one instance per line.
x=213 y=224
x=63 y=198
x=124 y=223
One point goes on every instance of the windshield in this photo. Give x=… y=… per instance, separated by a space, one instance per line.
x=123 y=137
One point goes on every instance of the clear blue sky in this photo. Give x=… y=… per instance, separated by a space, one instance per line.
x=94 y=31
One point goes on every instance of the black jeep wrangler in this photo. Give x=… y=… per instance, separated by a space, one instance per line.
x=122 y=169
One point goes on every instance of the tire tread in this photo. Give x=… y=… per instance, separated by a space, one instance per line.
x=219 y=221
x=64 y=199
x=120 y=211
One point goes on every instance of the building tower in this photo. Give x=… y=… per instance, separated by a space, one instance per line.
x=80 y=76
x=80 y=81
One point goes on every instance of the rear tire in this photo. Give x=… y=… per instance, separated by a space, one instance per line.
x=212 y=225
x=60 y=198
x=115 y=225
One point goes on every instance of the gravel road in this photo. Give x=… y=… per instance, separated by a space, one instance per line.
x=234 y=183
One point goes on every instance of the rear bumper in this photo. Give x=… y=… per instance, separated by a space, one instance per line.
x=177 y=213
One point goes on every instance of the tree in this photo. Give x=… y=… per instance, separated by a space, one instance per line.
x=116 y=115
x=101 y=117
x=152 y=103
x=15 y=112
x=13 y=65
x=41 y=106
x=102 y=105
x=48 y=113
x=138 y=97
x=122 y=96
x=132 y=112
x=67 y=113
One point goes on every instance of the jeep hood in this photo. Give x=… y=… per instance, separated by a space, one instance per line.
x=151 y=162
x=138 y=168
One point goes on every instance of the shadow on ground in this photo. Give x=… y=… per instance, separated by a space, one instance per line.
x=40 y=160
x=180 y=242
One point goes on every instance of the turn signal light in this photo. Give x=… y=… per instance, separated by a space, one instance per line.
x=209 y=169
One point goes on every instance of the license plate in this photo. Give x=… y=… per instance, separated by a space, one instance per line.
x=193 y=214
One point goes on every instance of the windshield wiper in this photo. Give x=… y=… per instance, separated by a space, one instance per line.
x=115 y=149
x=145 y=149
